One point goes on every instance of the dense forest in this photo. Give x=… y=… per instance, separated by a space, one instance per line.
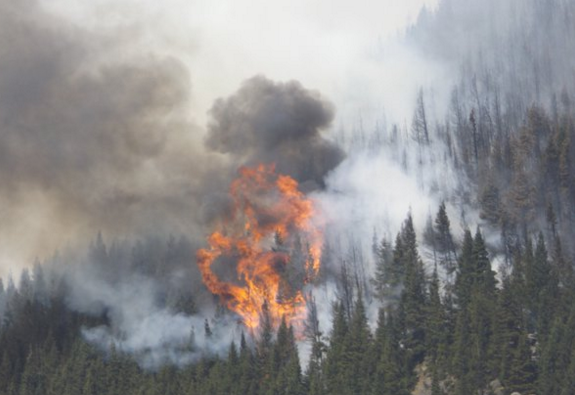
x=473 y=330
x=480 y=299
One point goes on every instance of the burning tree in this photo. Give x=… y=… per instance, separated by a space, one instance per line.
x=270 y=232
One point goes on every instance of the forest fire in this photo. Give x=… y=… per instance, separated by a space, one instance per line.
x=273 y=245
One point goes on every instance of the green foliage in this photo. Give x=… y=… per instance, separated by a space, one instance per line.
x=389 y=377
x=413 y=297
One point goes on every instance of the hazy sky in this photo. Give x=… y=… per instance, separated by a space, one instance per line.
x=330 y=45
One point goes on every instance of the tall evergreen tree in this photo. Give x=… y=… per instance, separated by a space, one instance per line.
x=445 y=244
x=387 y=277
x=337 y=363
x=389 y=377
x=314 y=373
x=358 y=355
x=461 y=364
x=413 y=298
x=465 y=272
x=247 y=369
x=436 y=322
x=544 y=286
x=483 y=277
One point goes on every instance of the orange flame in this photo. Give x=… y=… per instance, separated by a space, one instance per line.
x=265 y=240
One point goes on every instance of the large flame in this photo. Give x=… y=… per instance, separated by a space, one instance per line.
x=273 y=244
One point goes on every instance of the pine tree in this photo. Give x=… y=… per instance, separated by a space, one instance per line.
x=483 y=277
x=544 y=286
x=562 y=268
x=465 y=272
x=480 y=310
x=550 y=362
x=419 y=126
x=266 y=353
x=314 y=374
x=445 y=244
x=435 y=323
x=385 y=280
x=522 y=372
x=389 y=378
x=293 y=377
x=517 y=278
x=481 y=330
x=510 y=354
x=462 y=356
x=233 y=371
x=358 y=353
x=490 y=200
x=413 y=298
x=247 y=369
x=336 y=363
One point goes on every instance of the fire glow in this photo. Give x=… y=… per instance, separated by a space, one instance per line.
x=272 y=241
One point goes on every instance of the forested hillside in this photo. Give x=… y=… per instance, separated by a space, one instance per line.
x=480 y=299
x=455 y=336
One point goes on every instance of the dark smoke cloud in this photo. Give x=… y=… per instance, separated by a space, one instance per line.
x=92 y=138
x=276 y=122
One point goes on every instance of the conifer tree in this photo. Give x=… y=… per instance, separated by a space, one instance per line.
x=461 y=363
x=465 y=272
x=233 y=368
x=314 y=374
x=445 y=243
x=544 y=286
x=550 y=362
x=435 y=323
x=413 y=297
x=293 y=381
x=337 y=363
x=247 y=369
x=522 y=372
x=483 y=277
x=389 y=377
x=358 y=354
x=480 y=312
x=510 y=355
x=386 y=278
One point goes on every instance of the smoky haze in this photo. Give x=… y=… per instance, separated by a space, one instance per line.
x=96 y=137
x=88 y=145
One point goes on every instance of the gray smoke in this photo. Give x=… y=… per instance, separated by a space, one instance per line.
x=276 y=122
x=140 y=326
x=91 y=138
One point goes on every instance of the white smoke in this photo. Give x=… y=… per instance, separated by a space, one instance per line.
x=138 y=325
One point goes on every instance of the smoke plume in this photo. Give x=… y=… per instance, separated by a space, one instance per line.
x=90 y=141
x=267 y=122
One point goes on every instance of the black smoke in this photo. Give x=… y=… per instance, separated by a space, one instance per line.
x=265 y=121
